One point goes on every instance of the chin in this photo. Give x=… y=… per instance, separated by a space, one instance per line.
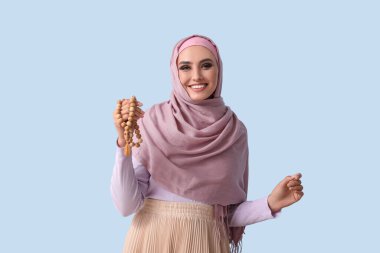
x=199 y=98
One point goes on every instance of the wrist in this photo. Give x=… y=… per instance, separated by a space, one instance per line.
x=273 y=206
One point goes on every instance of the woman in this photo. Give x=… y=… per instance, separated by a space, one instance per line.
x=188 y=181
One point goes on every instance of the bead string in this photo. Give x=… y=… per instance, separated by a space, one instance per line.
x=130 y=127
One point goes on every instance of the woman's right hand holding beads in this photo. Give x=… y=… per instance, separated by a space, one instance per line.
x=122 y=113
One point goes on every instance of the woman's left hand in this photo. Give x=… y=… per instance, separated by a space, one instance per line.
x=286 y=193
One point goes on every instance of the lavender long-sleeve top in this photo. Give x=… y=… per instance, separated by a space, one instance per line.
x=131 y=183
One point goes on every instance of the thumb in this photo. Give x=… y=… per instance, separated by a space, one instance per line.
x=293 y=177
x=286 y=180
x=297 y=176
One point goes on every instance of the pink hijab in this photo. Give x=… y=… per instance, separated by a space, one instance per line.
x=198 y=150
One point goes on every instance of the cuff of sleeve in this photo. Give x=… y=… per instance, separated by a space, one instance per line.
x=273 y=214
x=117 y=144
x=120 y=151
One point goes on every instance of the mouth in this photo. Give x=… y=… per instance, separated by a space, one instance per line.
x=198 y=87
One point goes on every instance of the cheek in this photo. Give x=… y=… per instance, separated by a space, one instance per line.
x=214 y=77
x=183 y=77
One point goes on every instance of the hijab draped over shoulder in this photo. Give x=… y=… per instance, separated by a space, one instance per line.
x=197 y=149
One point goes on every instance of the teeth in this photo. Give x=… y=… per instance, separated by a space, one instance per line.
x=198 y=86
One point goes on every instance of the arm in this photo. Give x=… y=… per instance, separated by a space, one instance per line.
x=250 y=212
x=129 y=183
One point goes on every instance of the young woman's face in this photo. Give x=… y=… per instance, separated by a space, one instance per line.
x=198 y=72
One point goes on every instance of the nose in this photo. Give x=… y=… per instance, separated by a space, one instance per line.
x=197 y=75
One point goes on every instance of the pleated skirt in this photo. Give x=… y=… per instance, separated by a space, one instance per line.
x=175 y=227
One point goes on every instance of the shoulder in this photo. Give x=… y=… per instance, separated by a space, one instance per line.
x=157 y=107
x=244 y=128
x=241 y=124
x=153 y=112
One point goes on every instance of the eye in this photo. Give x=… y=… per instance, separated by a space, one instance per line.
x=184 y=67
x=207 y=65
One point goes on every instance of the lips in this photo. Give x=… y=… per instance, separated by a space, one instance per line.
x=198 y=87
x=195 y=84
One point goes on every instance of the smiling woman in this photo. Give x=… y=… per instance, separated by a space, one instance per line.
x=198 y=75
x=188 y=181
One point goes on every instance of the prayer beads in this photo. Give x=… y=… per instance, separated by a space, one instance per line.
x=130 y=126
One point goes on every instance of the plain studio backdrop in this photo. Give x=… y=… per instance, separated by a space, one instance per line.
x=302 y=75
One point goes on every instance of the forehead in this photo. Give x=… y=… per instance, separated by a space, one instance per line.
x=195 y=53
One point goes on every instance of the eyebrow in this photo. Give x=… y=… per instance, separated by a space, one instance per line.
x=188 y=62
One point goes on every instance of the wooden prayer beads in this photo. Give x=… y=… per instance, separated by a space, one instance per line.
x=130 y=127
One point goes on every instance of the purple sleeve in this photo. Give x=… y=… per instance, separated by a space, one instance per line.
x=129 y=183
x=250 y=212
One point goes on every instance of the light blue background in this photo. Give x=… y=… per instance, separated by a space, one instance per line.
x=302 y=75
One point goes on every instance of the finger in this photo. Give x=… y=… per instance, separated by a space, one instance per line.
x=296 y=188
x=125 y=102
x=138 y=114
x=298 y=195
x=126 y=111
x=116 y=115
x=139 y=117
x=139 y=109
x=297 y=176
x=118 y=121
x=141 y=112
x=116 y=112
x=294 y=183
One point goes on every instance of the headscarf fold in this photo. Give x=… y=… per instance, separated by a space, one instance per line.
x=197 y=149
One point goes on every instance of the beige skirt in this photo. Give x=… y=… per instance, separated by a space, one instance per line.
x=175 y=227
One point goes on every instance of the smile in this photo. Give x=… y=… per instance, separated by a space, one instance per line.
x=198 y=87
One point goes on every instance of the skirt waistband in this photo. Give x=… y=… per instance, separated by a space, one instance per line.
x=162 y=207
